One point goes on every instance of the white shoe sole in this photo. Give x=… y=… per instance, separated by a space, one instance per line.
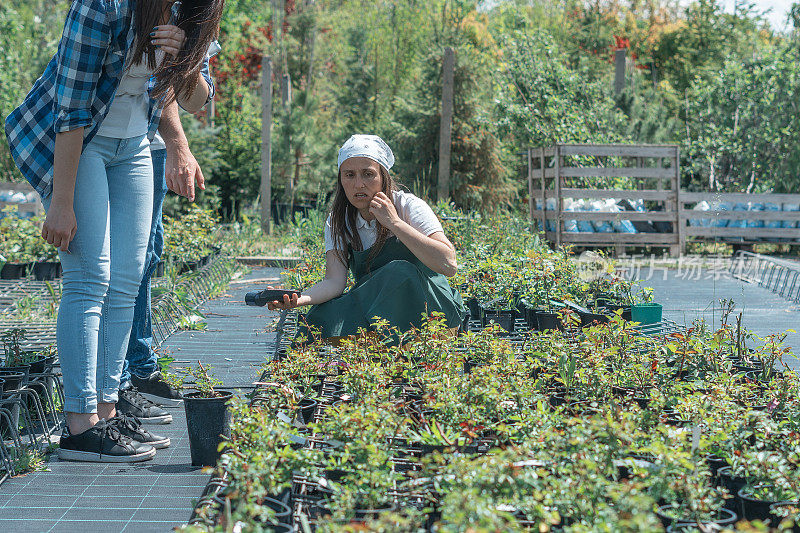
x=160 y=444
x=158 y=420
x=160 y=400
x=92 y=457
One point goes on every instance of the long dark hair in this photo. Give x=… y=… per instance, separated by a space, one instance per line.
x=343 y=214
x=199 y=19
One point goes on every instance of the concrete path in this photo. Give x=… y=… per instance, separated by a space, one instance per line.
x=691 y=295
x=160 y=494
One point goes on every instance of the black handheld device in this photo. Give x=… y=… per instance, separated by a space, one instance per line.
x=262 y=298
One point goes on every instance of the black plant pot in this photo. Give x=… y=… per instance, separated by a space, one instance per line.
x=43 y=364
x=46 y=270
x=502 y=317
x=15 y=270
x=733 y=484
x=307 y=409
x=474 y=307
x=548 y=321
x=12 y=380
x=2 y=386
x=589 y=319
x=283 y=513
x=531 y=317
x=753 y=508
x=207 y=421
x=160 y=269
x=726 y=517
x=189 y=266
x=776 y=518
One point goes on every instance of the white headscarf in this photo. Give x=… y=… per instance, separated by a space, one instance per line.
x=370 y=146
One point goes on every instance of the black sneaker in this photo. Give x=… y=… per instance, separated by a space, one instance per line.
x=155 y=389
x=131 y=427
x=132 y=403
x=102 y=443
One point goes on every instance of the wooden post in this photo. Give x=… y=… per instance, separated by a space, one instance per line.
x=286 y=101
x=530 y=186
x=266 y=144
x=446 y=125
x=543 y=217
x=557 y=173
x=679 y=205
x=619 y=74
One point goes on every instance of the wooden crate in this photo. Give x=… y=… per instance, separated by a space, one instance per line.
x=654 y=169
x=739 y=235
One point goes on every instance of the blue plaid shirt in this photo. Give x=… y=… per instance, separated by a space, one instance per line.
x=78 y=86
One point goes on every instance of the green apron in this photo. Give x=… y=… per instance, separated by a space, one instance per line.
x=396 y=286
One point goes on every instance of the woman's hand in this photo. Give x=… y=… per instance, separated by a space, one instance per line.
x=384 y=211
x=288 y=302
x=168 y=38
x=60 y=226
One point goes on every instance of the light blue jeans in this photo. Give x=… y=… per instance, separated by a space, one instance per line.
x=141 y=359
x=113 y=207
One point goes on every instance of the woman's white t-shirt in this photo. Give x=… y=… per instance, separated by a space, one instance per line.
x=128 y=115
x=412 y=210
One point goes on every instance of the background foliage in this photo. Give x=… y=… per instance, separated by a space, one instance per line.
x=722 y=84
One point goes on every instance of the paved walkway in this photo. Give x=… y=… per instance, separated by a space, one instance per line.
x=157 y=495
x=687 y=298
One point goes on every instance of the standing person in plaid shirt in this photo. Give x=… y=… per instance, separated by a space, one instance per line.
x=82 y=139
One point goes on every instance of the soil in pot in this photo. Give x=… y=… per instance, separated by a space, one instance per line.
x=207 y=420
x=46 y=270
x=15 y=270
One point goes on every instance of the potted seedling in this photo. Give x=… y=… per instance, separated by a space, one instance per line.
x=646 y=312
x=208 y=419
x=18 y=237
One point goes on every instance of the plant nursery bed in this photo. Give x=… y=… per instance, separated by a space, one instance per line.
x=580 y=429
x=583 y=421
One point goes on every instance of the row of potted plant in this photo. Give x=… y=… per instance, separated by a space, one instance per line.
x=603 y=430
x=23 y=252
x=191 y=239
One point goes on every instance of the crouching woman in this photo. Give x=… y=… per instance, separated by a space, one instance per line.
x=392 y=243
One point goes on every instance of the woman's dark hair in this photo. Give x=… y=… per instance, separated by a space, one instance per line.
x=199 y=19
x=343 y=219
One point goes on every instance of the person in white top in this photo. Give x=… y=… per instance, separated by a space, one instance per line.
x=391 y=241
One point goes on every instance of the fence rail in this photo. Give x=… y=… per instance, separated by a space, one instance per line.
x=654 y=169
x=574 y=171
x=778 y=275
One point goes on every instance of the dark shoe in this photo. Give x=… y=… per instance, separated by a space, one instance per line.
x=131 y=427
x=155 y=389
x=102 y=443
x=132 y=403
